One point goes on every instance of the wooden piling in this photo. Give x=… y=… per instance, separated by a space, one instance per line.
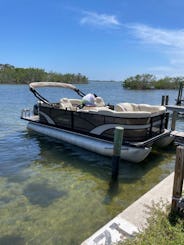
x=178 y=178
x=179 y=98
x=173 y=122
x=165 y=100
x=118 y=139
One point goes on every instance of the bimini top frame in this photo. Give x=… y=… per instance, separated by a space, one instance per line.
x=33 y=86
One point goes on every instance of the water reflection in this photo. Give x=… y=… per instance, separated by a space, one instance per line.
x=112 y=191
x=56 y=154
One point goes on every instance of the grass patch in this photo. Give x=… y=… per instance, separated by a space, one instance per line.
x=163 y=228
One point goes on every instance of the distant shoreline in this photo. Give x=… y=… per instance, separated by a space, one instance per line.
x=10 y=74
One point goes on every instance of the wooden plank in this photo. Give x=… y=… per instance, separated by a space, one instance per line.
x=173 y=122
x=179 y=137
x=175 y=108
x=178 y=178
x=177 y=133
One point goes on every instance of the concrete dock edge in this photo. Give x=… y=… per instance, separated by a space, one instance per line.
x=134 y=218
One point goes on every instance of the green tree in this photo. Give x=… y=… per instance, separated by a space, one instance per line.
x=148 y=81
x=144 y=81
x=10 y=74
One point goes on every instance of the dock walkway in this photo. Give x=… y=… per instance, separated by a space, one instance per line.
x=179 y=137
x=134 y=218
x=177 y=108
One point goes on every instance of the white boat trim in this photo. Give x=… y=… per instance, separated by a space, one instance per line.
x=100 y=129
x=49 y=120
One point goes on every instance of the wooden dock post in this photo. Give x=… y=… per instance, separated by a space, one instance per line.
x=165 y=100
x=178 y=178
x=179 y=98
x=118 y=139
x=173 y=122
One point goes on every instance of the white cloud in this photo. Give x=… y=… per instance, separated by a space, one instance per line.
x=169 y=38
x=177 y=61
x=162 y=71
x=101 y=20
x=169 y=43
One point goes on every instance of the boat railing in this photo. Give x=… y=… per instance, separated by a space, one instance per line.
x=26 y=113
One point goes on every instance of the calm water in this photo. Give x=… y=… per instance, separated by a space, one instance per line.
x=55 y=193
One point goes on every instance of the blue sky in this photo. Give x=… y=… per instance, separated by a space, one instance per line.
x=102 y=39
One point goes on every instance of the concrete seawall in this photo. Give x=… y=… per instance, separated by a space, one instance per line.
x=134 y=218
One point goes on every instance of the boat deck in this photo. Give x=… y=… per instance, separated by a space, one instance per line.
x=32 y=118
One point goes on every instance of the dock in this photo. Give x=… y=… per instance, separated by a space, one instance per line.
x=176 y=108
x=179 y=135
x=133 y=219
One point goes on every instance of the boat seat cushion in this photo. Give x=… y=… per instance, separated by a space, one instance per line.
x=153 y=109
x=131 y=107
x=99 y=102
x=75 y=102
x=125 y=114
x=133 y=114
x=93 y=108
x=66 y=104
x=124 y=107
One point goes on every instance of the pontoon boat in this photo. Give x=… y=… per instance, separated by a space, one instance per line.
x=91 y=126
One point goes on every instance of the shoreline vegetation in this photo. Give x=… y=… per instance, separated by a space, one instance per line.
x=148 y=81
x=163 y=228
x=10 y=74
x=14 y=75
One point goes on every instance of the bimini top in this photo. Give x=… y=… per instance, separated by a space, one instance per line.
x=51 y=84
x=33 y=86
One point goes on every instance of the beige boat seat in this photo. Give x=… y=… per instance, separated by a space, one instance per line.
x=150 y=108
x=75 y=102
x=95 y=109
x=99 y=102
x=124 y=107
x=131 y=107
x=126 y=114
x=66 y=104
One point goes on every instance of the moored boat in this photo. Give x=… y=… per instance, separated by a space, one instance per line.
x=89 y=123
